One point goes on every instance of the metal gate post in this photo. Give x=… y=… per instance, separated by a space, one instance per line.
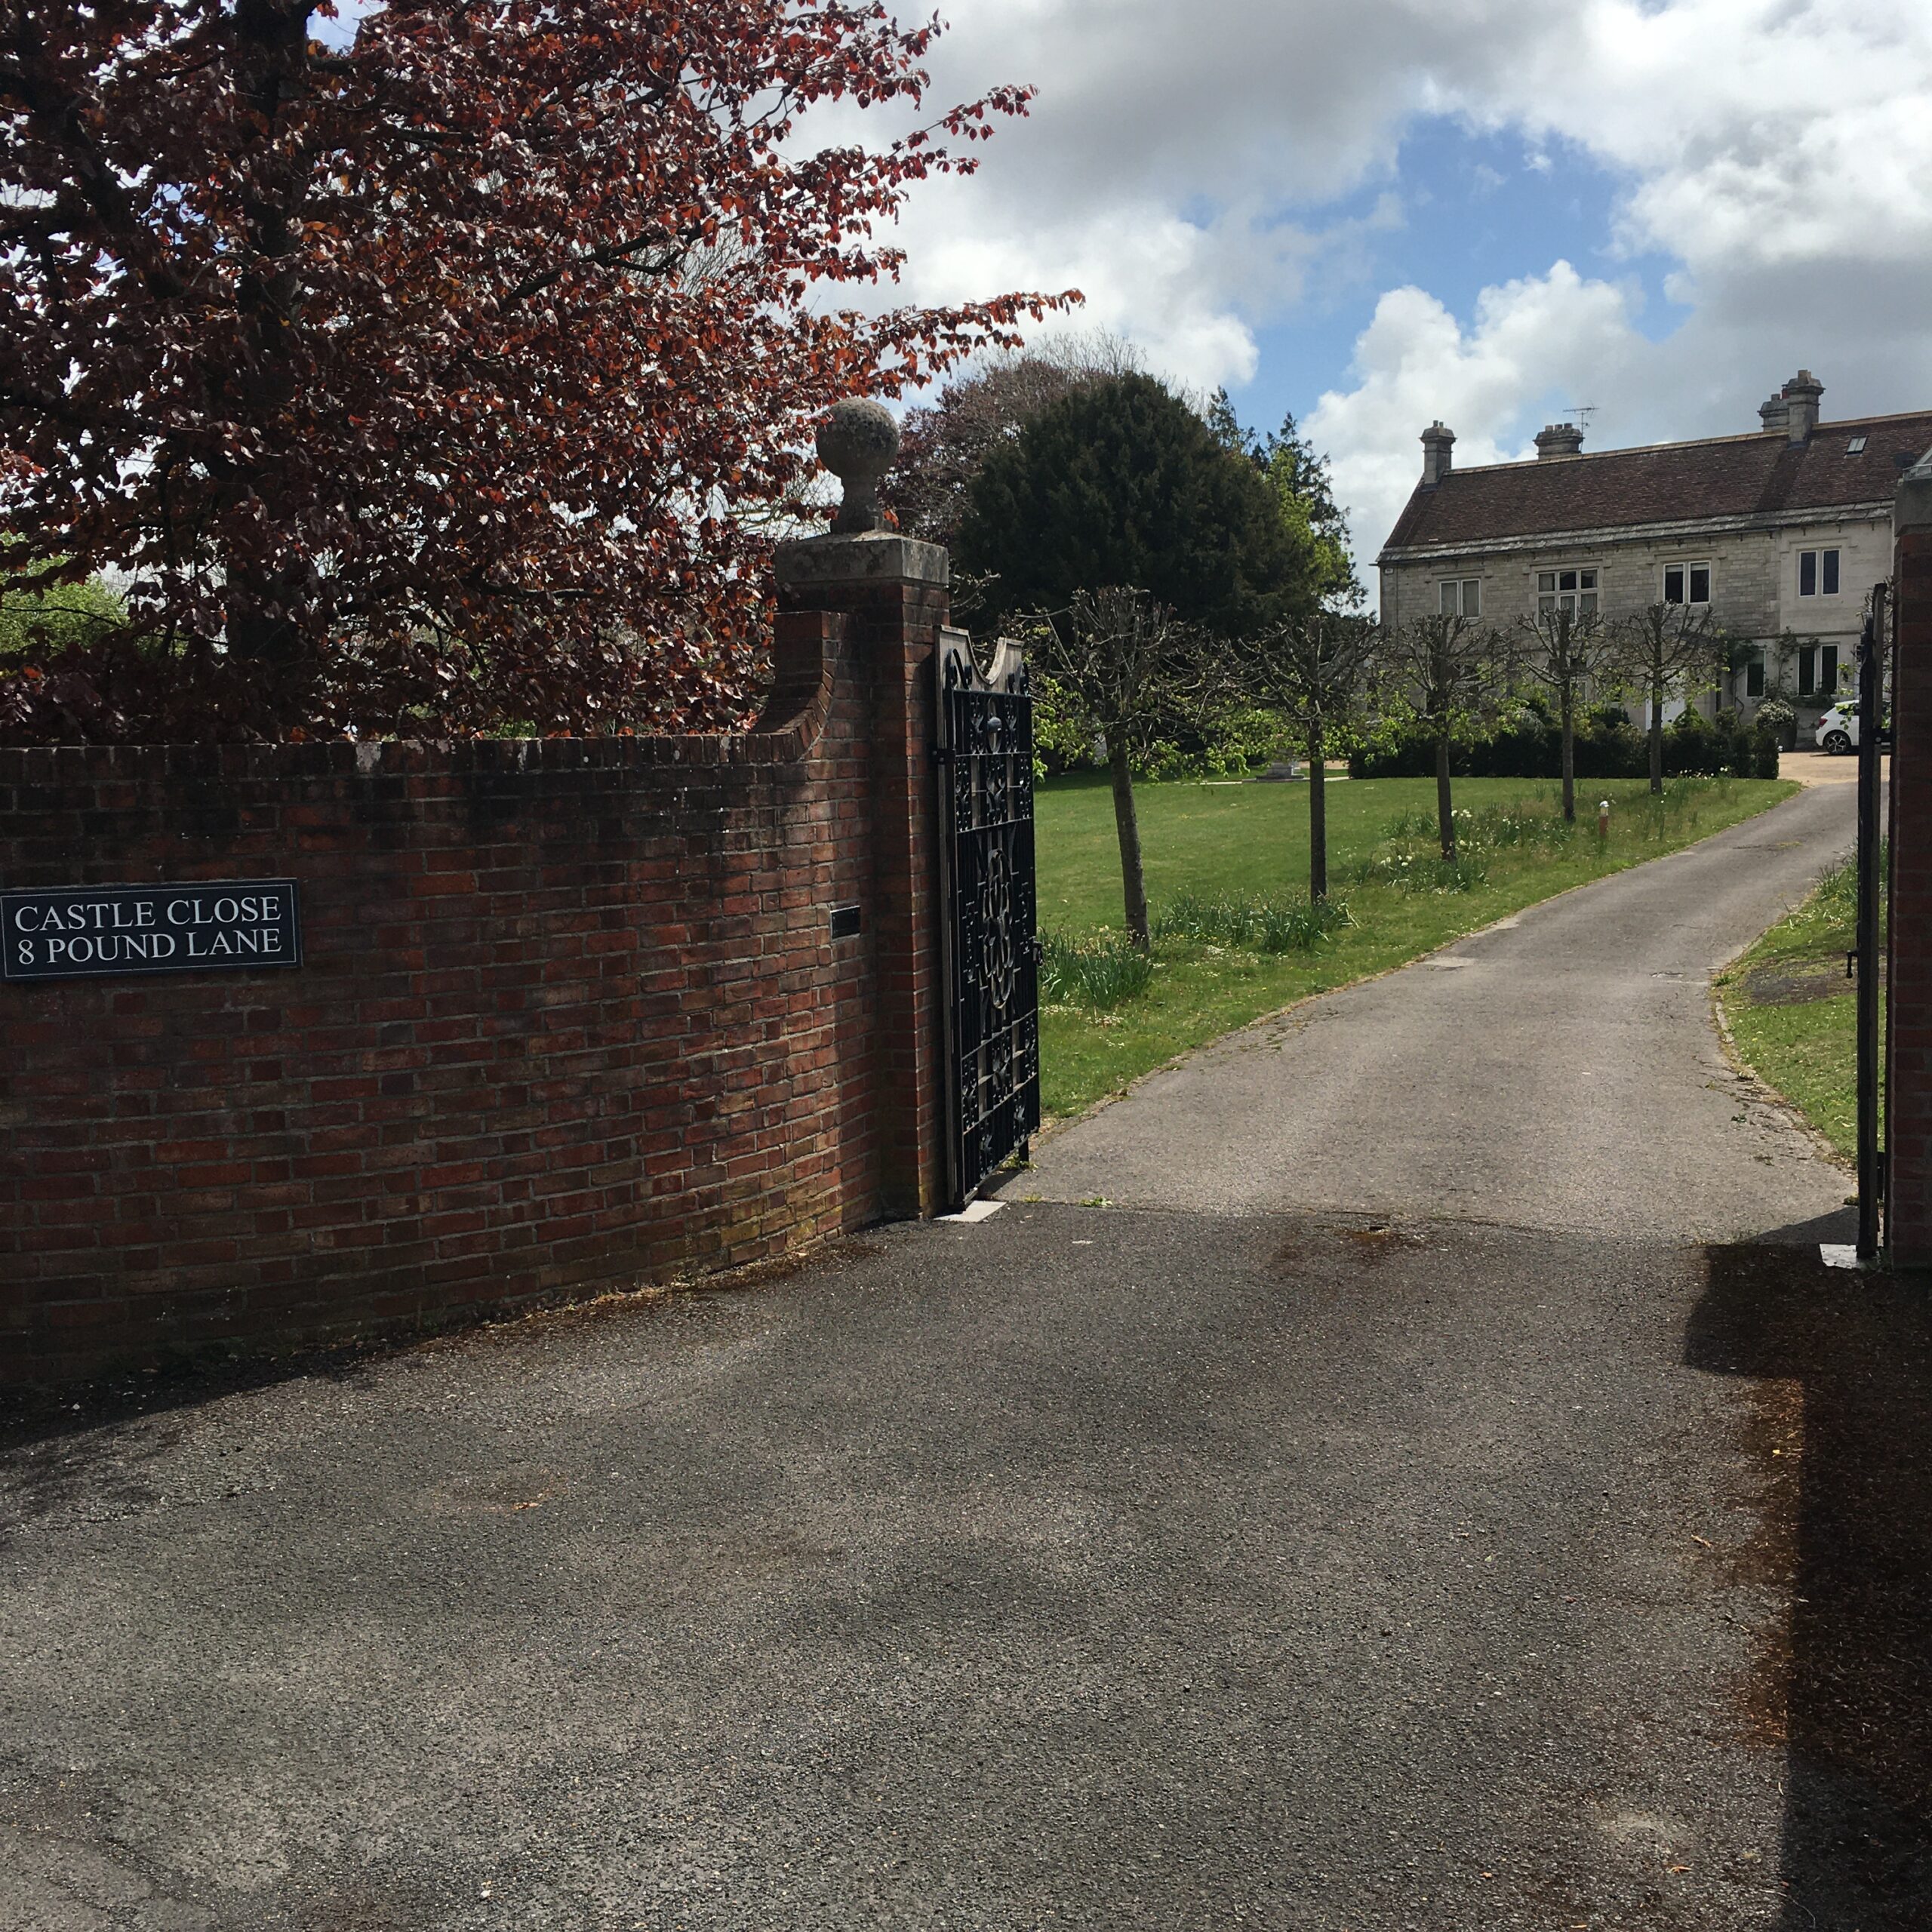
x=1908 y=1110
x=1871 y=699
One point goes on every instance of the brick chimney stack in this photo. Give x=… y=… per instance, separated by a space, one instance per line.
x=1555 y=441
x=1774 y=415
x=1800 y=400
x=1437 y=444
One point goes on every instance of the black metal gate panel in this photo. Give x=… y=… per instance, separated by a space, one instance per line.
x=993 y=985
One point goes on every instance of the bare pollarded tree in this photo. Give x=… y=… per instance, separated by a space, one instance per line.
x=1314 y=669
x=1124 y=667
x=1567 y=647
x=1666 y=651
x=1448 y=671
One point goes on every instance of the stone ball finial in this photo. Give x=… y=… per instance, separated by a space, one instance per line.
x=856 y=441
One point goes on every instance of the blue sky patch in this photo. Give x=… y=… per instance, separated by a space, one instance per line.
x=1478 y=209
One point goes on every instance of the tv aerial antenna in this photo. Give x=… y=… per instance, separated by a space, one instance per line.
x=1580 y=413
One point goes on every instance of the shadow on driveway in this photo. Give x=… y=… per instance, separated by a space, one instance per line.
x=1099 y=1568
x=1841 y=1440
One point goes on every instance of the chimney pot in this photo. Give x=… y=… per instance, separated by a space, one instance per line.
x=1437 y=446
x=1555 y=441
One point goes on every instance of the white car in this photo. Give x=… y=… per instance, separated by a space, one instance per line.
x=1837 y=730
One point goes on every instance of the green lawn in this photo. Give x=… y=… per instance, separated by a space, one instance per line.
x=1252 y=840
x=1794 y=1014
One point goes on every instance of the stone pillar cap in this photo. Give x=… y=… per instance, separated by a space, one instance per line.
x=872 y=556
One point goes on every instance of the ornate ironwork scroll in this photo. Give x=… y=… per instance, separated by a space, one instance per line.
x=992 y=997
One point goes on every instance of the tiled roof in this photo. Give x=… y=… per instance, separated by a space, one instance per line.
x=1739 y=476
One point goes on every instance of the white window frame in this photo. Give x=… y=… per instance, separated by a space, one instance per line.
x=1578 y=596
x=1819 y=669
x=1459 y=597
x=1817 y=558
x=1688 y=567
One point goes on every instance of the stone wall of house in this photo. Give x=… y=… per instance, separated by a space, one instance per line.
x=1755 y=586
x=571 y=1015
x=1630 y=576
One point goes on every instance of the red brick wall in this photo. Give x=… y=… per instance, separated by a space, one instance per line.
x=1909 y=1080
x=569 y=1018
x=896 y=612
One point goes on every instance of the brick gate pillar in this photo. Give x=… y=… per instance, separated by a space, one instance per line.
x=895 y=593
x=1908 y=953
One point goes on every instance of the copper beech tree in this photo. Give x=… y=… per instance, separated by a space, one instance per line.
x=437 y=378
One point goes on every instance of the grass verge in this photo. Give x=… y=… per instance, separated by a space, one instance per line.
x=1793 y=1013
x=1227 y=870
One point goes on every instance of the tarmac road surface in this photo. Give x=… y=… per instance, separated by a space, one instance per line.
x=1560 y=1070
x=1329 y=1564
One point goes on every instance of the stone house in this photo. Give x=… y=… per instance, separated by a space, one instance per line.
x=1780 y=534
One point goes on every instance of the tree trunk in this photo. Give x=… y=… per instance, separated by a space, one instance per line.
x=1445 y=817
x=1318 y=814
x=1656 y=734
x=1134 y=884
x=1566 y=704
x=277 y=657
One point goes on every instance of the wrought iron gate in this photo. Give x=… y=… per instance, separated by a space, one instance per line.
x=992 y=998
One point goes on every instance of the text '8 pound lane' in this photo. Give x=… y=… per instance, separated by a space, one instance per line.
x=991 y=945
x=85 y=932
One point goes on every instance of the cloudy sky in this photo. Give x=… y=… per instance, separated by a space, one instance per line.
x=1376 y=213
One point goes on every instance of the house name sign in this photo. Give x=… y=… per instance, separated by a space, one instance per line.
x=83 y=932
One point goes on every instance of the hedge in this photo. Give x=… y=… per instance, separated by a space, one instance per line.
x=1531 y=745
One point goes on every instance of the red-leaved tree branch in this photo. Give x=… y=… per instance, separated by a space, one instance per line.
x=439 y=382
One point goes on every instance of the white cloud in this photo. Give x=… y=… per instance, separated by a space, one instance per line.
x=1545 y=341
x=1144 y=270
x=1756 y=131
x=1178 y=161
